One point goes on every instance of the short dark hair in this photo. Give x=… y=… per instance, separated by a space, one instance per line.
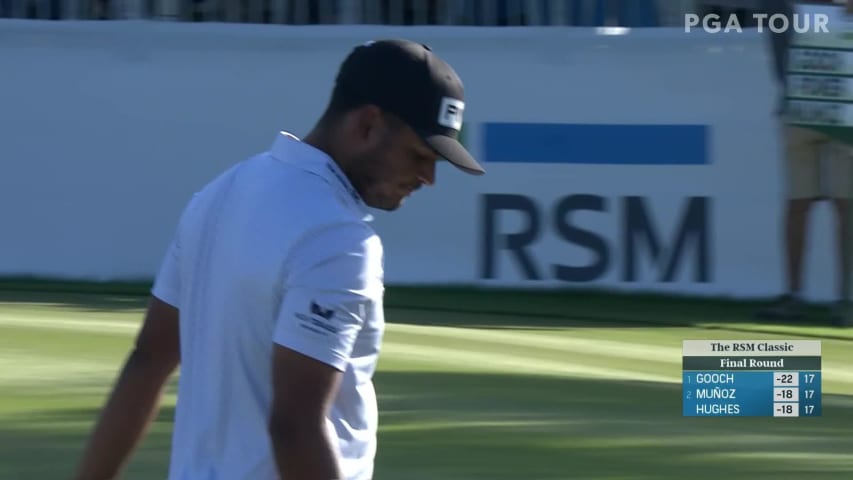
x=343 y=101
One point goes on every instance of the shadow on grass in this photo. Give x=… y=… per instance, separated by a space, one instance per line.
x=490 y=427
x=592 y=307
x=491 y=308
x=88 y=302
x=48 y=445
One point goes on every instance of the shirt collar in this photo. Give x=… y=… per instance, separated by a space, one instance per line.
x=288 y=148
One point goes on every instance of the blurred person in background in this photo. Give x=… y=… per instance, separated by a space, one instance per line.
x=817 y=168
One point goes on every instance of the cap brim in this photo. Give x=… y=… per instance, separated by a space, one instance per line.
x=453 y=151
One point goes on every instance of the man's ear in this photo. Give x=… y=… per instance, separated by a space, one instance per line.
x=367 y=121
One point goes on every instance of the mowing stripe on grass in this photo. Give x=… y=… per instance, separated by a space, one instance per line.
x=544 y=340
x=832 y=371
x=512 y=363
x=58 y=322
x=43 y=371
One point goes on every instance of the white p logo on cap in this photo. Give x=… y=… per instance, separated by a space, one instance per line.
x=450 y=113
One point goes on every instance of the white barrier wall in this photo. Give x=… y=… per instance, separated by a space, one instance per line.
x=107 y=128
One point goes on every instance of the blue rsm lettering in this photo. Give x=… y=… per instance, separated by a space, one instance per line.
x=691 y=239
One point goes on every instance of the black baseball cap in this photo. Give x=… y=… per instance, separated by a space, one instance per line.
x=407 y=79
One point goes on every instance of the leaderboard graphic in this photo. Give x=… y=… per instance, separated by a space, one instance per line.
x=751 y=378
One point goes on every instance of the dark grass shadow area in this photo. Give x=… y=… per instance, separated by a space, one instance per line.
x=84 y=302
x=538 y=309
x=492 y=308
x=48 y=285
x=80 y=296
x=618 y=308
x=469 y=426
x=48 y=445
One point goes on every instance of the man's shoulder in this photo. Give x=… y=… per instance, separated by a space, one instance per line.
x=324 y=213
x=301 y=206
x=347 y=244
x=311 y=190
x=344 y=236
x=306 y=191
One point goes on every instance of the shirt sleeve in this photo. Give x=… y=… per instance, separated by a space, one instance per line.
x=334 y=286
x=167 y=283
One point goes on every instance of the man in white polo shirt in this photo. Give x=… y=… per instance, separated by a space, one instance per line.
x=270 y=296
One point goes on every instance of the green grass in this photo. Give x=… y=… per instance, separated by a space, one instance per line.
x=472 y=385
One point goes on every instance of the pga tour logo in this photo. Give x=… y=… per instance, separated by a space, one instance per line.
x=776 y=23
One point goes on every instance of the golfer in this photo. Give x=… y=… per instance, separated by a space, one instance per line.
x=270 y=294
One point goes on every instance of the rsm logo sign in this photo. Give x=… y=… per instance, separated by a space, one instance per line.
x=639 y=238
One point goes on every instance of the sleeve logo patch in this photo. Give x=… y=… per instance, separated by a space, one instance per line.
x=318 y=320
x=321 y=312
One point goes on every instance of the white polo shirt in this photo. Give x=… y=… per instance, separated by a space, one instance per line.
x=276 y=249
